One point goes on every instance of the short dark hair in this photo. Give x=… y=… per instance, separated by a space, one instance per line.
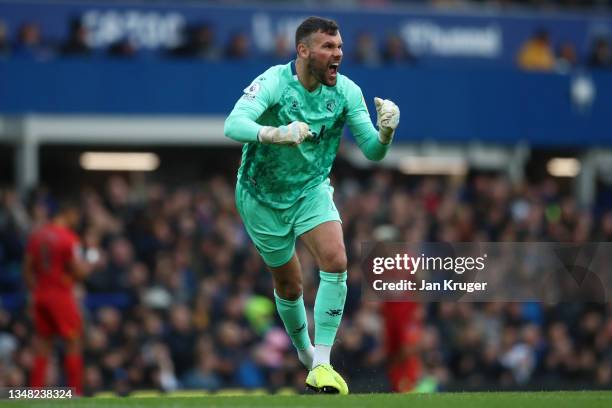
x=313 y=25
x=64 y=203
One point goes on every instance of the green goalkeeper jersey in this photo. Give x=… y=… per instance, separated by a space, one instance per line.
x=278 y=175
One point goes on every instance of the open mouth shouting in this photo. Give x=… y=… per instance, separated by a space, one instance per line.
x=332 y=71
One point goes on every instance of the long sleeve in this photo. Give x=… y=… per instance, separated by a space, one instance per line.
x=241 y=123
x=241 y=127
x=361 y=126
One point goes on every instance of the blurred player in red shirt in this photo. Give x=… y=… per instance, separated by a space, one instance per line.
x=53 y=263
x=403 y=334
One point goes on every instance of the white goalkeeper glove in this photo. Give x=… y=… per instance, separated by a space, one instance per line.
x=388 y=118
x=291 y=135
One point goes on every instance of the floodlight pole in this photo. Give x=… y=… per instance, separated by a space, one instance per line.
x=585 y=187
x=19 y=132
x=26 y=158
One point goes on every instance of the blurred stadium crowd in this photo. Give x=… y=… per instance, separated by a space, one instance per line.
x=540 y=52
x=179 y=299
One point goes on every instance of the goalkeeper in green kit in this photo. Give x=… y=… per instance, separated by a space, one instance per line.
x=290 y=119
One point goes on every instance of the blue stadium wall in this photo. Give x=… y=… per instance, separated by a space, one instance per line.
x=463 y=87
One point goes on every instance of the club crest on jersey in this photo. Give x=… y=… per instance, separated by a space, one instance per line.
x=294 y=105
x=330 y=105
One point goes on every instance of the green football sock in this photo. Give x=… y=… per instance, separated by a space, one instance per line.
x=329 y=306
x=293 y=315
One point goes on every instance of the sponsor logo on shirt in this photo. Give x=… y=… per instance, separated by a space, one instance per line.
x=317 y=136
x=251 y=91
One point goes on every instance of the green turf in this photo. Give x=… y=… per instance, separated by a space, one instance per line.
x=444 y=400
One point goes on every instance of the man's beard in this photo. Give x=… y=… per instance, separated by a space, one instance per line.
x=320 y=73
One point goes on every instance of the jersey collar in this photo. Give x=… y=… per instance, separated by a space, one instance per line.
x=293 y=70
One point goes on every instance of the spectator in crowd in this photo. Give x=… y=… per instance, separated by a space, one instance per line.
x=30 y=44
x=283 y=49
x=600 y=56
x=237 y=47
x=537 y=53
x=123 y=48
x=366 y=50
x=395 y=51
x=567 y=58
x=5 y=48
x=204 y=374
x=181 y=339
x=200 y=44
x=76 y=45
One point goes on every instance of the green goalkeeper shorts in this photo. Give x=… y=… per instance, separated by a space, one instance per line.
x=274 y=231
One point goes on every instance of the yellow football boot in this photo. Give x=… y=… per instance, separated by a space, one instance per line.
x=323 y=378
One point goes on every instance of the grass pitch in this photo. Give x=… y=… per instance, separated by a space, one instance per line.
x=582 y=399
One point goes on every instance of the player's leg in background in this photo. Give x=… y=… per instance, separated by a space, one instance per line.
x=70 y=327
x=42 y=350
x=403 y=343
x=326 y=243
x=43 y=342
x=73 y=365
x=290 y=305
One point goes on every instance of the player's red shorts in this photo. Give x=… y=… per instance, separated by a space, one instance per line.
x=57 y=314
